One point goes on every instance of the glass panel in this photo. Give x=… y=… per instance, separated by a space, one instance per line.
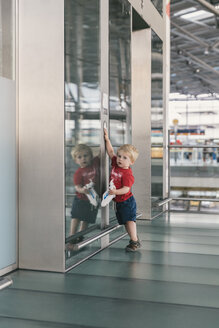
x=193 y=174
x=156 y=122
x=8 y=199
x=159 y=5
x=120 y=75
x=82 y=125
x=7 y=39
x=194 y=132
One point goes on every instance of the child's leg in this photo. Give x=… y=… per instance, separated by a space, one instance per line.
x=73 y=229
x=74 y=226
x=132 y=230
x=134 y=243
x=84 y=225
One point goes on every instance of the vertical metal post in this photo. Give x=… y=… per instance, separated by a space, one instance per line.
x=168 y=151
x=104 y=115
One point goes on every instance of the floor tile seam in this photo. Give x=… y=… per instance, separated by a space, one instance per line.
x=181 y=225
x=185 y=226
x=165 y=265
x=174 y=242
x=165 y=252
x=145 y=279
x=161 y=265
x=118 y=299
x=156 y=280
x=176 y=234
x=55 y=323
x=178 y=252
x=183 y=233
x=172 y=252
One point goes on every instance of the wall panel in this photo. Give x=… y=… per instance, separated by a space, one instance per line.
x=41 y=134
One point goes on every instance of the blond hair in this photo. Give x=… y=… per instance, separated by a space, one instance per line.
x=130 y=150
x=79 y=148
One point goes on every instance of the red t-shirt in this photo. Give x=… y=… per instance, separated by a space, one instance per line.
x=121 y=178
x=83 y=176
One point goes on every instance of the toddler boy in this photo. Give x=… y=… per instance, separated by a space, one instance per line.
x=123 y=180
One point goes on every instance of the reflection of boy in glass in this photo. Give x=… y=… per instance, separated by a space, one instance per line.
x=83 y=212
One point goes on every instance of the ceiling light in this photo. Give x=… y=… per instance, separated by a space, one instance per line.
x=197 y=15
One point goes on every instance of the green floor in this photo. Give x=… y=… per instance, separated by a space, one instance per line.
x=173 y=282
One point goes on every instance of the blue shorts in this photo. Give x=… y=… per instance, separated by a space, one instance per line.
x=83 y=210
x=126 y=211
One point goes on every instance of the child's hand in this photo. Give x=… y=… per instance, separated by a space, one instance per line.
x=106 y=137
x=112 y=191
x=85 y=191
x=81 y=190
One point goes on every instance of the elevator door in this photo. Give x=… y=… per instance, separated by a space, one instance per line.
x=82 y=127
x=97 y=92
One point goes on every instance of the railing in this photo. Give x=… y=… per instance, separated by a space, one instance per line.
x=193 y=174
x=5 y=282
x=99 y=235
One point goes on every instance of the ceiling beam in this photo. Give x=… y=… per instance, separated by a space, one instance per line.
x=184 y=33
x=208 y=6
x=199 y=62
x=208 y=81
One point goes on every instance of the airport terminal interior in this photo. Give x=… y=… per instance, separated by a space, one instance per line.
x=148 y=73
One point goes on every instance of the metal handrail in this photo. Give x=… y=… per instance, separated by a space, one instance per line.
x=96 y=252
x=190 y=146
x=164 y=201
x=5 y=282
x=197 y=199
x=82 y=233
x=105 y=232
x=96 y=237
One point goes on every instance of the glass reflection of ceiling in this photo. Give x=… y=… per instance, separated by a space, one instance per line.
x=120 y=73
x=157 y=67
x=82 y=38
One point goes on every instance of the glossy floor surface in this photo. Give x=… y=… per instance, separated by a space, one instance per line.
x=173 y=282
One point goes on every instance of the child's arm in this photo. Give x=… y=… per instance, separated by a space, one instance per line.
x=120 y=191
x=109 y=147
x=81 y=190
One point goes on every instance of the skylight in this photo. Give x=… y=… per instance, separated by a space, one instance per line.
x=197 y=15
x=184 y=11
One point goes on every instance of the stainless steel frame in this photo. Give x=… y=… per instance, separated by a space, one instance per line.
x=41 y=135
x=141 y=118
x=104 y=114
